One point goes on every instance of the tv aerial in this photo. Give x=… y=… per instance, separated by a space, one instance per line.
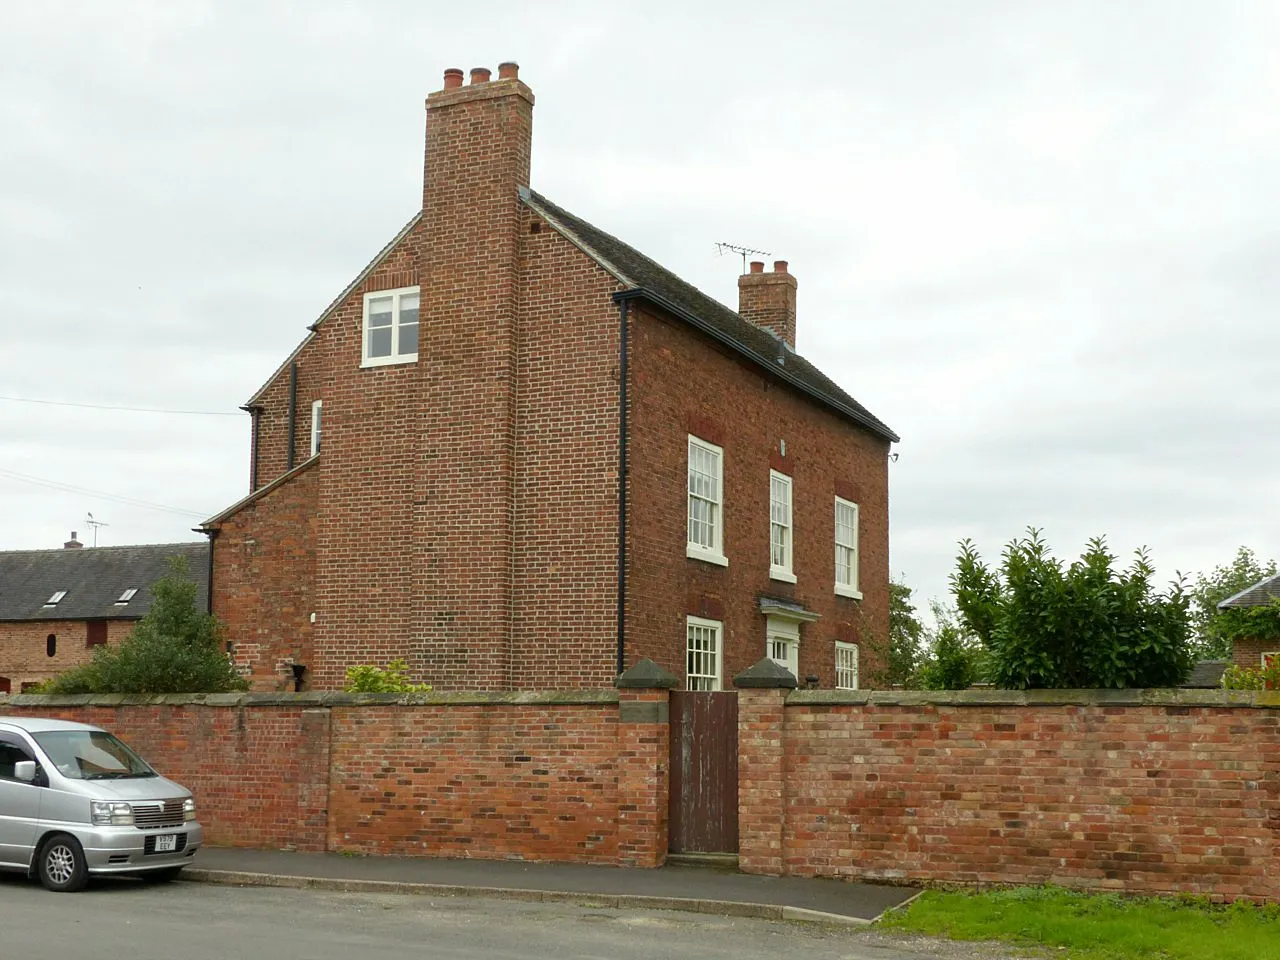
x=743 y=252
x=95 y=524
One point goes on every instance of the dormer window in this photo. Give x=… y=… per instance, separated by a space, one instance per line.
x=55 y=599
x=127 y=596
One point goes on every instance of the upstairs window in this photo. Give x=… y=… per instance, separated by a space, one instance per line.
x=54 y=600
x=315 y=426
x=390 y=327
x=780 y=527
x=847 y=549
x=706 y=502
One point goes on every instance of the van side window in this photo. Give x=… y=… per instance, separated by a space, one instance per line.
x=11 y=751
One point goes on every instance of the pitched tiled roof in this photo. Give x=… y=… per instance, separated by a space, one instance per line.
x=1206 y=675
x=637 y=271
x=1259 y=595
x=94 y=578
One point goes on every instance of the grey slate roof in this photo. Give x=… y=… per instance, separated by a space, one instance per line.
x=1206 y=675
x=1259 y=595
x=636 y=270
x=94 y=578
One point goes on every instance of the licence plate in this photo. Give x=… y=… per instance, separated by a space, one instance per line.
x=167 y=843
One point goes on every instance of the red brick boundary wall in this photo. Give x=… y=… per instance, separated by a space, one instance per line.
x=573 y=776
x=1142 y=791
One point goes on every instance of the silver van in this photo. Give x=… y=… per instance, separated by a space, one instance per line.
x=74 y=800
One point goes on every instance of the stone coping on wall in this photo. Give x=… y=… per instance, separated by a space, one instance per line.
x=517 y=698
x=1264 y=699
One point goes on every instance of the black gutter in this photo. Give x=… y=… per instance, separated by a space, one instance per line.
x=623 y=316
x=293 y=410
x=770 y=363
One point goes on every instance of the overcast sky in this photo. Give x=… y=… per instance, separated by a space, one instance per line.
x=1038 y=239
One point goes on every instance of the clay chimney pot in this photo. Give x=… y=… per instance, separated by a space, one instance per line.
x=757 y=266
x=480 y=74
x=452 y=78
x=510 y=70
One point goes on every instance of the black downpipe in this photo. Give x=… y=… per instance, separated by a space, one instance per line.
x=208 y=603
x=623 y=310
x=256 y=413
x=293 y=410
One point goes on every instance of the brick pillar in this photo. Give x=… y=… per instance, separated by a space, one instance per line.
x=762 y=694
x=644 y=745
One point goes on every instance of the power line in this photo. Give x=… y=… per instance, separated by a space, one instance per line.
x=70 y=488
x=102 y=406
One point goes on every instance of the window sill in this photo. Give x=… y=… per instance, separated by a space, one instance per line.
x=701 y=553
x=786 y=576
x=842 y=591
x=388 y=361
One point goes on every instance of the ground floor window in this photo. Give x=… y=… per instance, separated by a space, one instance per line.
x=704 y=653
x=846 y=666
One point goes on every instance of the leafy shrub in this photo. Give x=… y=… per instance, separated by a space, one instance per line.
x=393 y=679
x=1245 y=678
x=1084 y=626
x=175 y=648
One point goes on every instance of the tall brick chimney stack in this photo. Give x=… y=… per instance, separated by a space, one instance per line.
x=73 y=543
x=478 y=145
x=769 y=299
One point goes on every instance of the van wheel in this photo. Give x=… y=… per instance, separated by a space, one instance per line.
x=61 y=866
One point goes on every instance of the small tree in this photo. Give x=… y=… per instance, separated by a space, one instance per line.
x=1215 y=629
x=955 y=660
x=1084 y=626
x=906 y=636
x=175 y=648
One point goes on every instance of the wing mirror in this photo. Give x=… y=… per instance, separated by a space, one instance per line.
x=25 y=770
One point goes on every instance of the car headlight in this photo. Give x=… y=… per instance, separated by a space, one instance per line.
x=189 y=809
x=107 y=813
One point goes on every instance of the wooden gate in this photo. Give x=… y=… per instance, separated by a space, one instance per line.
x=704 y=772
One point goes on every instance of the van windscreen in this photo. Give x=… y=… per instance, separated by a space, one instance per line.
x=91 y=755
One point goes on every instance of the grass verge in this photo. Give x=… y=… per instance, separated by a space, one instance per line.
x=1082 y=926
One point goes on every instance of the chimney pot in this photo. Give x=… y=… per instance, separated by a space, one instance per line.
x=73 y=543
x=452 y=78
x=779 y=266
x=757 y=266
x=510 y=70
x=480 y=74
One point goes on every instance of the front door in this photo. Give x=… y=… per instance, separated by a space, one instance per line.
x=19 y=805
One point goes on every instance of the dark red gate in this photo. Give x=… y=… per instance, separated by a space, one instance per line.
x=704 y=772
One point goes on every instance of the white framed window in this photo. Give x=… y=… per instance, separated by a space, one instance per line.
x=847 y=549
x=127 y=596
x=390 y=327
x=705 y=653
x=706 y=502
x=316 y=407
x=846 y=666
x=56 y=599
x=780 y=530
x=782 y=644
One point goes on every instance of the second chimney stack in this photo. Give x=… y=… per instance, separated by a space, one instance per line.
x=769 y=300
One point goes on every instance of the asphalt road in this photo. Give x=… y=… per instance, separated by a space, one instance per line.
x=124 y=920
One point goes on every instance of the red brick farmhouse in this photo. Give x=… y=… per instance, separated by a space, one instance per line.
x=519 y=454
